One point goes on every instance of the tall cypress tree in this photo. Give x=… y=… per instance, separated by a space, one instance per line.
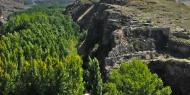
x=95 y=77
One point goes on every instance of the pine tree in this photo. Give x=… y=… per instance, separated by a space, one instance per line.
x=35 y=54
x=134 y=78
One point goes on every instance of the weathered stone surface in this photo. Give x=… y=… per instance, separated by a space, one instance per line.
x=141 y=42
x=102 y=26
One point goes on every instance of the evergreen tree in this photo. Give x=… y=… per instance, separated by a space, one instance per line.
x=95 y=77
x=134 y=78
x=38 y=54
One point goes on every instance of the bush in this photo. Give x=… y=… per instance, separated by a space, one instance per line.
x=134 y=78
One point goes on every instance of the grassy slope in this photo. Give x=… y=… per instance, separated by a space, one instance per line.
x=164 y=13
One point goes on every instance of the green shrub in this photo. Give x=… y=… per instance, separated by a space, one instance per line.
x=134 y=78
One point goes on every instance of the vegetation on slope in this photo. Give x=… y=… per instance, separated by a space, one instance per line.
x=165 y=13
x=38 y=54
x=134 y=78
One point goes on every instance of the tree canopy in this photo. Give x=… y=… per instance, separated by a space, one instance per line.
x=134 y=78
x=38 y=54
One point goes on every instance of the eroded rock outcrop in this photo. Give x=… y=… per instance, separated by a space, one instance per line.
x=142 y=43
x=114 y=37
x=104 y=29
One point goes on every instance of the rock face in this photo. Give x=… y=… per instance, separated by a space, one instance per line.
x=113 y=37
x=141 y=42
x=103 y=33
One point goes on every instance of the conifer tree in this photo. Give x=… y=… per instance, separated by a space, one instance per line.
x=95 y=77
x=35 y=54
x=134 y=78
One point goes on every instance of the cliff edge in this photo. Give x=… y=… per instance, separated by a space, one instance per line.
x=154 y=30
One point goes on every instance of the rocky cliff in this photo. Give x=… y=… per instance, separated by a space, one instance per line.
x=120 y=30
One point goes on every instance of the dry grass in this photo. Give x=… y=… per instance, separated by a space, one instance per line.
x=165 y=13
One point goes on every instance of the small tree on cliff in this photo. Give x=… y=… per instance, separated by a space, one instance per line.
x=134 y=78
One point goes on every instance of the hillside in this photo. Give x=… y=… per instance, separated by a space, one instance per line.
x=154 y=30
x=10 y=6
x=37 y=46
x=96 y=47
x=165 y=13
